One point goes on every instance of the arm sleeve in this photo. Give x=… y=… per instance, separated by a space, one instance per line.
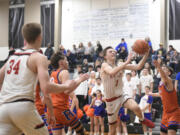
x=150 y=100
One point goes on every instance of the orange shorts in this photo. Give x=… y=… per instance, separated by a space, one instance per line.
x=170 y=119
x=64 y=118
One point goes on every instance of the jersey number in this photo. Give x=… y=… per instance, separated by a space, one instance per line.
x=13 y=66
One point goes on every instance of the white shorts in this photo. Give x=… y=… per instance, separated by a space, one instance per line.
x=114 y=106
x=21 y=117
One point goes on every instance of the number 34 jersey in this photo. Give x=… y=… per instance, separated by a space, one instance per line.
x=19 y=81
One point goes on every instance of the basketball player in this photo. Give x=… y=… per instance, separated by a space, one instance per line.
x=18 y=78
x=64 y=116
x=111 y=75
x=171 y=111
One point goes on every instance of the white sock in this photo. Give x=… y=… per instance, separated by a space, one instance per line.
x=118 y=133
x=150 y=133
x=145 y=133
x=125 y=133
x=102 y=133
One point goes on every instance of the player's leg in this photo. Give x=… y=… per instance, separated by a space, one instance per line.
x=96 y=124
x=101 y=121
x=69 y=131
x=133 y=106
x=124 y=128
x=172 y=132
x=150 y=131
x=144 y=129
x=91 y=125
x=118 y=128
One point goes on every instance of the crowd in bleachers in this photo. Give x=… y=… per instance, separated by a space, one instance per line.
x=89 y=58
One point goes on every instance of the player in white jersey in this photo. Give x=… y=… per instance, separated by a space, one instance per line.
x=18 y=79
x=111 y=75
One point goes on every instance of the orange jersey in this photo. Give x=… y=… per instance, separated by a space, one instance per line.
x=39 y=105
x=169 y=99
x=59 y=100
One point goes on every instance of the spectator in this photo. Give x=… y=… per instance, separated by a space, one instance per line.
x=177 y=86
x=49 y=51
x=90 y=69
x=174 y=61
x=161 y=51
x=98 y=70
x=148 y=40
x=130 y=89
x=171 y=50
x=81 y=92
x=85 y=66
x=62 y=49
x=147 y=66
x=77 y=71
x=136 y=80
x=98 y=86
x=122 y=54
x=91 y=84
x=72 y=60
x=98 y=62
x=74 y=50
x=98 y=48
x=122 y=44
x=80 y=52
x=89 y=52
x=146 y=80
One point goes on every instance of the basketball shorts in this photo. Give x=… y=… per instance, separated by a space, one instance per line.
x=64 y=118
x=170 y=121
x=21 y=117
x=114 y=106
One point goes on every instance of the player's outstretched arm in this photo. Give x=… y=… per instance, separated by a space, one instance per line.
x=38 y=64
x=113 y=71
x=2 y=74
x=154 y=94
x=139 y=65
x=64 y=77
x=164 y=77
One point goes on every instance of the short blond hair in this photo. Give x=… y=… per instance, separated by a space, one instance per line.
x=31 y=31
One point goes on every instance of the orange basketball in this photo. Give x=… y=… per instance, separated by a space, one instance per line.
x=79 y=113
x=140 y=46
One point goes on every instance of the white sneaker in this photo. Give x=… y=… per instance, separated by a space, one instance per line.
x=74 y=133
x=131 y=124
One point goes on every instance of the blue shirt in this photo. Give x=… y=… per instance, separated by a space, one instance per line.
x=119 y=46
x=178 y=79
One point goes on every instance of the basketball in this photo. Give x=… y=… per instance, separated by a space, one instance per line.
x=140 y=46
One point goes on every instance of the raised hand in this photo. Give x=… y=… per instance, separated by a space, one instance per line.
x=84 y=77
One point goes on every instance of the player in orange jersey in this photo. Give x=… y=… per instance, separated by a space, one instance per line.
x=171 y=111
x=64 y=117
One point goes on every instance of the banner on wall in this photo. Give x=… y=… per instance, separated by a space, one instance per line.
x=174 y=19
x=131 y=22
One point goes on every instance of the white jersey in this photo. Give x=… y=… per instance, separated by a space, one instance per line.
x=112 y=84
x=19 y=81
